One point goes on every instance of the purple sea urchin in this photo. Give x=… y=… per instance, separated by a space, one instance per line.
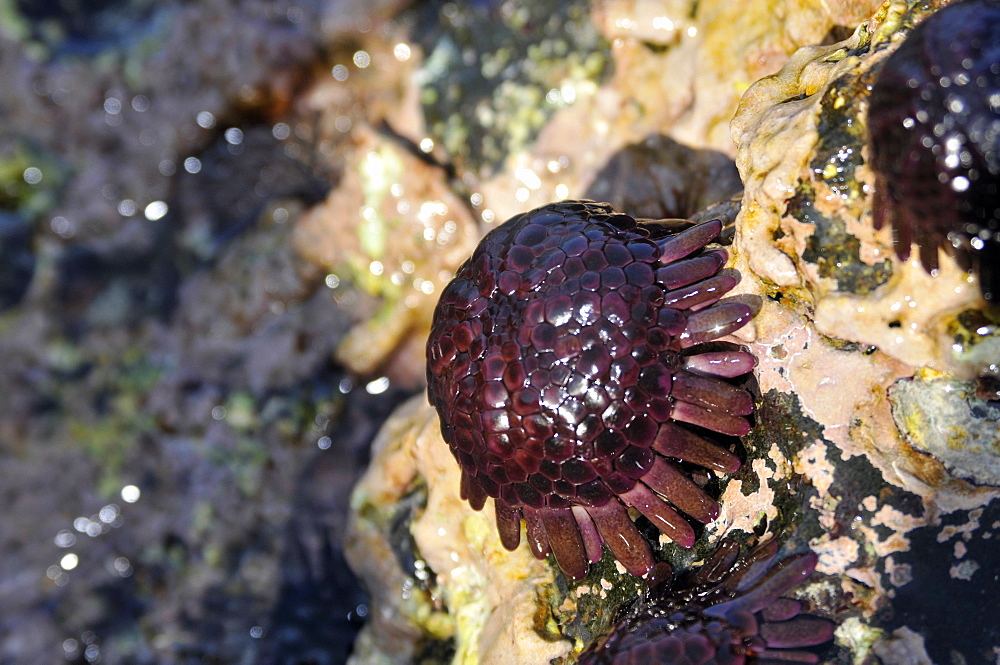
x=934 y=140
x=726 y=612
x=563 y=363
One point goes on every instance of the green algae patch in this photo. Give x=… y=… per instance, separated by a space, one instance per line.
x=833 y=249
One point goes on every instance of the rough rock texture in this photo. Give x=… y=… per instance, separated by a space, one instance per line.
x=475 y=599
x=833 y=463
x=942 y=416
x=176 y=444
x=193 y=198
x=395 y=231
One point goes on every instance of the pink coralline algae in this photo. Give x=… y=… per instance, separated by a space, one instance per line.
x=568 y=367
x=934 y=140
x=727 y=612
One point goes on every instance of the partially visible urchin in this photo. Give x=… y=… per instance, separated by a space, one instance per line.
x=934 y=140
x=729 y=611
x=564 y=363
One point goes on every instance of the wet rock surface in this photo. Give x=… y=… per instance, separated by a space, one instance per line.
x=830 y=465
x=177 y=442
x=944 y=418
x=223 y=228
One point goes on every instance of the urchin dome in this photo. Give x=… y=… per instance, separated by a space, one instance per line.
x=730 y=610
x=934 y=141
x=563 y=360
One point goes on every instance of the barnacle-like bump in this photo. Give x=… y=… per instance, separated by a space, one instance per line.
x=934 y=140
x=727 y=611
x=564 y=363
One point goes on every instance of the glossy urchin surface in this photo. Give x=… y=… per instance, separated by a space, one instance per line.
x=727 y=612
x=563 y=361
x=934 y=140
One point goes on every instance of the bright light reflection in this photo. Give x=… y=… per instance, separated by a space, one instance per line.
x=32 y=175
x=65 y=538
x=155 y=210
x=281 y=131
x=662 y=23
x=122 y=566
x=205 y=120
x=69 y=561
x=378 y=386
x=127 y=208
x=130 y=494
x=528 y=177
x=109 y=513
x=362 y=59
